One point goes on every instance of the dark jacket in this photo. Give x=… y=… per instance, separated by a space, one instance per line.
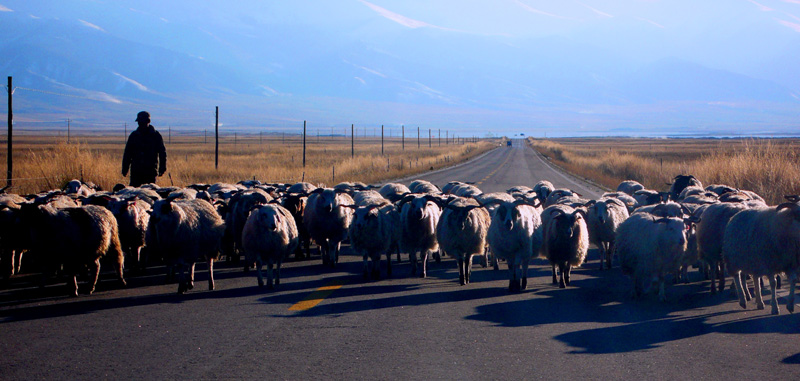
x=144 y=153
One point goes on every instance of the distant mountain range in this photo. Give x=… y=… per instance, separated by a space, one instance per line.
x=100 y=63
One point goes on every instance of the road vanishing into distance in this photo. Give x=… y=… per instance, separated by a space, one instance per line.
x=327 y=323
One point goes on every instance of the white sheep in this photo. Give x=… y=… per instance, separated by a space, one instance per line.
x=269 y=234
x=461 y=232
x=328 y=219
x=646 y=197
x=419 y=216
x=764 y=242
x=603 y=218
x=240 y=205
x=515 y=234
x=184 y=232
x=394 y=192
x=565 y=240
x=132 y=218
x=681 y=182
x=543 y=189
x=373 y=233
x=650 y=247
x=629 y=187
x=75 y=238
x=424 y=186
x=557 y=194
x=13 y=242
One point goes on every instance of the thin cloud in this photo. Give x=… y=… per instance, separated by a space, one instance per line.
x=539 y=12
x=134 y=83
x=651 y=22
x=595 y=10
x=90 y=25
x=761 y=7
x=789 y=24
x=792 y=16
x=363 y=82
x=791 y=1
x=400 y=19
x=4 y=9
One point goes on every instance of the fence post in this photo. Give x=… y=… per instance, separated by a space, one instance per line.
x=429 y=138
x=352 y=141
x=9 y=174
x=381 y=140
x=403 y=133
x=216 y=138
x=417 y=136
x=304 y=144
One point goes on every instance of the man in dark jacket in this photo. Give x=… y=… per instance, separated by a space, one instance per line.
x=144 y=153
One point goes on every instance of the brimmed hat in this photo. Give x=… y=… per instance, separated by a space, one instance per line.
x=142 y=115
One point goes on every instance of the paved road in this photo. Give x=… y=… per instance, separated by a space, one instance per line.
x=400 y=328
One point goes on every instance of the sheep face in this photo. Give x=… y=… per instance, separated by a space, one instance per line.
x=508 y=214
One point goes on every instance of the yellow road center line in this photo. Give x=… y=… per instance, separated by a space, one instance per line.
x=317 y=296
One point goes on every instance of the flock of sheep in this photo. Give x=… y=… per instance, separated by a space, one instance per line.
x=653 y=235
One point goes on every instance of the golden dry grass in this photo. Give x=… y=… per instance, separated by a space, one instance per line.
x=770 y=167
x=46 y=162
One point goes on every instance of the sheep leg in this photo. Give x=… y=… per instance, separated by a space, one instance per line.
x=259 y=263
x=210 y=273
x=737 y=283
x=773 y=285
x=366 y=266
x=412 y=257
x=790 y=301
x=323 y=251
x=601 y=248
x=721 y=275
x=566 y=274
x=269 y=274
x=495 y=263
x=512 y=277
x=182 y=288
x=73 y=284
x=424 y=260
x=714 y=275
x=437 y=255
x=468 y=269
x=93 y=275
x=190 y=284
x=278 y=273
x=662 y=295
x=609 y=251
x=485 y=262
x=746 y=289
x=757 y=292
x=555 y=280
x=524 y=281
x=562 y=283
x=462 y=276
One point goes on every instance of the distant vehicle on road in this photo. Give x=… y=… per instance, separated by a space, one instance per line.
x=508 y=143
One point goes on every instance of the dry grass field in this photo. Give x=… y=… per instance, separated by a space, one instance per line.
x=48 y=162
x=770 y=167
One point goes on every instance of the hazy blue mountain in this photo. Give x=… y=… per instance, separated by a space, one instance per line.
x=590 y=67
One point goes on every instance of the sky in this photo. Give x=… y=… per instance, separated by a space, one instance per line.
x=570 y=67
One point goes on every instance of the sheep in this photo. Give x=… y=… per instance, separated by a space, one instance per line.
x=269 y=234
x=681 y=182
x=565 y=240
x=423 y=186
x=394 y=192
x=710 y=233
x=543 y=189
x=720 y=189
x=13 y=236
x=646 y=197
x=650 y=247
x=132 y=218
x=183 y=232
x=628 y=200
x=668 y=209
x=603 y=218
x=557 y=194
x=75 y=237
x=448 y=188
x=690 y=191
x=419 y=216
x=296 y=203
x=629 y=187
x=327 y=220
x=705 y=198
x=764 y=242
x=367 y=197
x=301 y=188
x=240 y=206
x=515 y=235
x=79 y=188
x=375 y=222
x=461 y=232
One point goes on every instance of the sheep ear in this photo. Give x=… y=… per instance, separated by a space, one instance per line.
x=556 y=213
x=317 y=191
x=792 y=198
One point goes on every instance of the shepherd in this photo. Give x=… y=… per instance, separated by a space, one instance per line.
x=145 y=153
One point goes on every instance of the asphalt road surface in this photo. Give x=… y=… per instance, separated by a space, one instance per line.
x=330 y=324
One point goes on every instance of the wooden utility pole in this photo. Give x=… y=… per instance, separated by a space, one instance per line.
x=10 y=172
x=304 y=143
x=216 y=137
x=440 y=137
x=352 y=141
x=429 y=138
x=67 y=131
x=381 y=140
x=418 y=137
x=169 y=136
x=403 y=133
